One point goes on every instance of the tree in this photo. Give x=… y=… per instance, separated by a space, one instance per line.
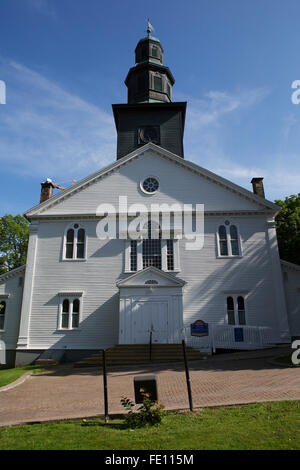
x=288 y=229
x=14 y=234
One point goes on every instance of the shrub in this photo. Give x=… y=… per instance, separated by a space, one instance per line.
x=150 y=413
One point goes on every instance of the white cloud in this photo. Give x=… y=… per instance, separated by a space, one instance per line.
x=279 y=181
x=210 y=120
x=216 y=105
x=48 y=132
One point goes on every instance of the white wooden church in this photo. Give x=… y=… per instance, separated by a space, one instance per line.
x=80 y=292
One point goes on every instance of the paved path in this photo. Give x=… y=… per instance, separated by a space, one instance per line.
x=66 y=392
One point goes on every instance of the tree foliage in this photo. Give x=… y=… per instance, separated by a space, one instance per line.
x=288 y=229
x=14 y=234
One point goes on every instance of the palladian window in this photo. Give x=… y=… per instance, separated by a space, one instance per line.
x=152 y=251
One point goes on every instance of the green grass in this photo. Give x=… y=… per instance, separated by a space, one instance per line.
x=8 y=376
x=265 y=426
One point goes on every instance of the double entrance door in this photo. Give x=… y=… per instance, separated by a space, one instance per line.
x=150 y=315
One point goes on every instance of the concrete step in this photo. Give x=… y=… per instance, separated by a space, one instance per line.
x=140 y=354
x=50 y=357
x=46 y=362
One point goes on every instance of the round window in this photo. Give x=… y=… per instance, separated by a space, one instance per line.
x=150 y=184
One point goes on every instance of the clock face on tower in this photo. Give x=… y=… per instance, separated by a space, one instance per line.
x=149 y=134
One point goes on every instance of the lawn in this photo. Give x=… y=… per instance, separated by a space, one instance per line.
x=265 y=426
x=8 y=376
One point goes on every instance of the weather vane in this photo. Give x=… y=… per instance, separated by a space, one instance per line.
x=149 y=27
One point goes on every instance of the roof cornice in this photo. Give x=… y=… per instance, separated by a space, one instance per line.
x=287 y=264
x=12 y=273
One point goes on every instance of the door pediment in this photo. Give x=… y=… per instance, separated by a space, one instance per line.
x=151 y=277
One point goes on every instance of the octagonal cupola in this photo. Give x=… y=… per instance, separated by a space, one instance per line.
x=149 y=81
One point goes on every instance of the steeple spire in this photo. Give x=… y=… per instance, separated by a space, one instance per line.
x=150 y=115
x=149 y=28
x=149 y=81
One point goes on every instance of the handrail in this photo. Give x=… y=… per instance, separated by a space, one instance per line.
x=150 y=346
x=222 y=336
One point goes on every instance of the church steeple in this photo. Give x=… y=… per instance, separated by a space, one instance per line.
x=150 y=115
x=149 y=81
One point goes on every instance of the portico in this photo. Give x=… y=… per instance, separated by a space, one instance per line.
x=150 y=301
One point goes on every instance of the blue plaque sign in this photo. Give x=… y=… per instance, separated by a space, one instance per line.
x=199 y=328
x=238 y=335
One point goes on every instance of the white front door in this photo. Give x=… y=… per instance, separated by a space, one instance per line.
x=150 y=315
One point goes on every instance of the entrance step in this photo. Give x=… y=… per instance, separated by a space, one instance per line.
x=140 y=354
x=50 y=357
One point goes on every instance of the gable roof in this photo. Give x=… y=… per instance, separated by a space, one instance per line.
x=12 y=273
x=288 y=265
x=151 y=273
x=37 y=210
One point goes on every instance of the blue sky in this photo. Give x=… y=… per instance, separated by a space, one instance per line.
x=64 y=63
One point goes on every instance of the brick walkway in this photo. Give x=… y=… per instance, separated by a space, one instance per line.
x=66 y=392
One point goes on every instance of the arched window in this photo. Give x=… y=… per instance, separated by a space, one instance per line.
x=70 y=243
x=241 y=310
x=75 y=241
x=2 y=314
x=228 y=240
x=80 y=243
x=230 y=311
x=223 y=241
x=65 y=313
x=69 y=313
x=75 y=313
x=236 y=310
x=234 y=240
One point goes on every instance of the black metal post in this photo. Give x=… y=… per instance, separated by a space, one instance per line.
x=187 y=375
x=105 y=386
x=150 y=347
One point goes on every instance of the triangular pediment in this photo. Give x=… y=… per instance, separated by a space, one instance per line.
x=181 y=182
x=151 y=277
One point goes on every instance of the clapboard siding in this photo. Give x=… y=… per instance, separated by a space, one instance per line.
x=205 y=274
x=291 y=277
x=13 y=288
x=177 y=185
x=96 y=278
x=208 y=277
